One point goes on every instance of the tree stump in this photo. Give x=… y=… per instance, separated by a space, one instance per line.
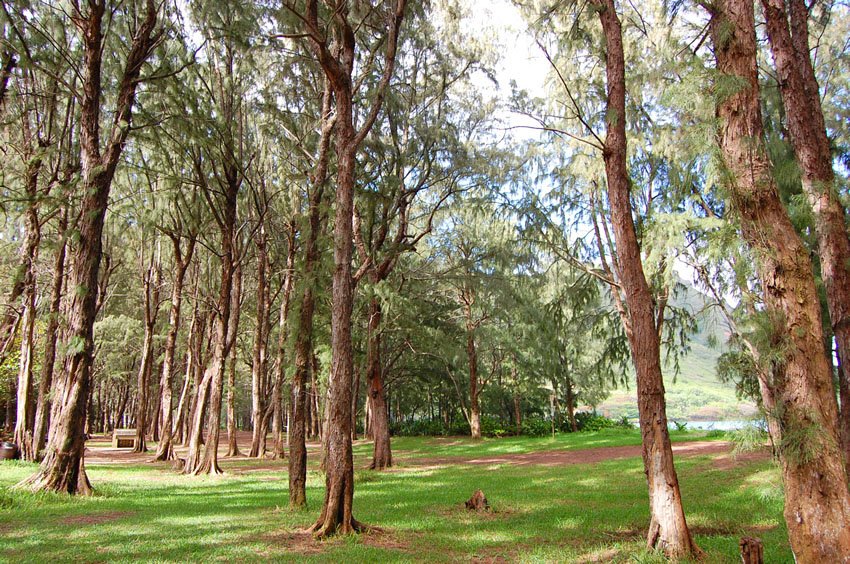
x=478 y=502
x=752 y=550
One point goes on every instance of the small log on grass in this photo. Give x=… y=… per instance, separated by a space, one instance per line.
x=752 y=550
x=478 y=502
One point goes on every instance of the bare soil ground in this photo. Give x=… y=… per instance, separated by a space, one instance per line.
x=100 y=451
x=722 y=451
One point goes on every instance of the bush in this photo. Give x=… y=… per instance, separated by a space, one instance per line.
x=536 y=427
x=588 y=421
x=491 y=427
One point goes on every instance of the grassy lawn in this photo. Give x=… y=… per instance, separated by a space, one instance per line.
x=569 y=513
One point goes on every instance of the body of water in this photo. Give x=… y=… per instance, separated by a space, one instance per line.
x=719 y=425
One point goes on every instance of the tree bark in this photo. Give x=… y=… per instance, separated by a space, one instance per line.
x=42 y=409
x=336 y=515
x=63 y=468
x=297 y=428
x=668 y=528
x=817 y=501
x=280 y=361
x=382 y=454
x=29 y=252
x=789 y=42
x=233 y=330
x=259 y=372
x=165 y=448
x=474 y=407
x=150 y=288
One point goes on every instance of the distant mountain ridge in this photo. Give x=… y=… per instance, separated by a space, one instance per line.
x=695 y=393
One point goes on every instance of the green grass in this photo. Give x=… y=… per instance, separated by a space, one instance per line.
x=541 y=513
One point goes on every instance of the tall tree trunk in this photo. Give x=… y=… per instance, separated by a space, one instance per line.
x=42 y=409
x=474 y=408
x=668 y=528
x=29 y=253
x=280 y=364
x=212 y=384
x=232 y=444
x=571 y=405
x=151 y=283
x=63 y=468
x=789 y=41
x=165 y=448
x=817 y=501
x=233 y=330
x=382 y=455
x=259 y=392
x=336 y=515
x=297 y=429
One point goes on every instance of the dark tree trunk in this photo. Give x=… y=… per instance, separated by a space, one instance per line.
x=212 y=383
x=42 y=409
x=63 y=468
x=571 y=406
x=259 y=372
x=336 y=515
x=233 y=330
x=472 y=359
x=297 y=428
x=165 y=448
x=668 y=528
x=280 y=361
x=382 y=454
x=817 y=502
x=789 y=41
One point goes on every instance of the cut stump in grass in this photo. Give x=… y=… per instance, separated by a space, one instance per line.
x=752 y=550
x=478 y=502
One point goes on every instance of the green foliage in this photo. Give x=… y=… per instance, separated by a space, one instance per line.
x=536 y=427
x=749 y=438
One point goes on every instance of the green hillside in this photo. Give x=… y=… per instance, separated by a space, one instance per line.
x=695 y=393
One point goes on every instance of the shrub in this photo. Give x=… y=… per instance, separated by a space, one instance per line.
x=588 y=421
x=536 y=427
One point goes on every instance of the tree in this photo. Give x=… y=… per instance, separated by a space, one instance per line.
x=337 y=62
x=817 y=502
x=63 y=468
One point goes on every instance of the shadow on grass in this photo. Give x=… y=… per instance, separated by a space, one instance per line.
x=145 y=512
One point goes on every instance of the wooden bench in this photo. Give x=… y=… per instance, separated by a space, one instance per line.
x=123 y=438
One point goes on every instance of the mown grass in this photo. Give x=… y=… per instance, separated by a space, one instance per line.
x=540 y=513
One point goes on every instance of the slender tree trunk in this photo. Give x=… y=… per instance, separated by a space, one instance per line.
x=789 y=41
x=382 y=454
x=165 y=448
x=29 y=252
x=212 y=383
x=297 y=428
x=232 y=444
x=817 y=501
x=571 y=406
x=474 y=408
x=280 y=361
x=233 y=331
x=42 y=409
x=336 y=515
x=668 y=528
x=259 y=392
x=150 y=282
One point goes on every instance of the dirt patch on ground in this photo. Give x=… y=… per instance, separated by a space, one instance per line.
x=578 y=456
x=732 y=460
x=304 y=543
x=96 y=518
